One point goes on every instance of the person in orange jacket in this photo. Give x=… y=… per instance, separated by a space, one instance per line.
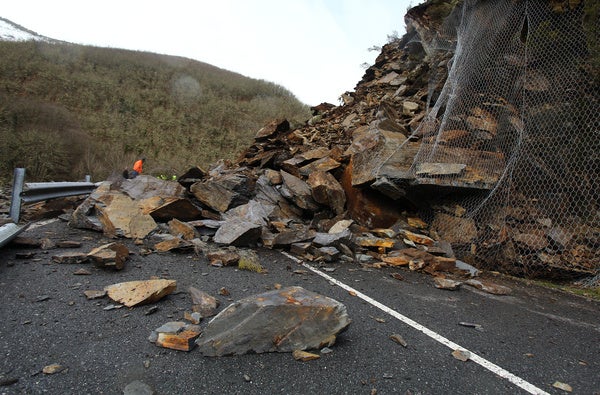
x=138 y=167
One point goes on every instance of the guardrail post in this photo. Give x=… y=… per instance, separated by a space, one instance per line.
x=15 y=203
x=88 y=178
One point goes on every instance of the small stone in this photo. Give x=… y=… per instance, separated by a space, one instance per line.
x=175 y=335
x=52 y=369
x=113 y=307
x=112 y=255
x=489 y=287
x=82 y=272
x=399 y=339
x=247 y=378
x=94 y=294
x=304 y=356
x=461 y=355
x=224 y=257
x=446 y=283
x=151 y=310
x=562 y=386
x=70 y=258
x=194 y=317
x=203 y=303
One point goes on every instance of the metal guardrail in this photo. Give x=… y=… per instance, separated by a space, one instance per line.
x=38 y=191
x=10 y=231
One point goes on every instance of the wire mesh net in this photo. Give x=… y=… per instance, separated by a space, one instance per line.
x=516 y=127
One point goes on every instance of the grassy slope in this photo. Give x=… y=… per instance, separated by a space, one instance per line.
x=68 y=110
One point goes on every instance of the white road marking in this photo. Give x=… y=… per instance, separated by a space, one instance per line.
x=525 y=385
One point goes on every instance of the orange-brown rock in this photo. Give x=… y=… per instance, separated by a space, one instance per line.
x=182 y=341
x=181 y=229
x=327 y=190
x=112 y=255
x=134 y=293
x=368 y=207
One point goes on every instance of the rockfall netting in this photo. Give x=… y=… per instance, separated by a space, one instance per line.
x=514 y=126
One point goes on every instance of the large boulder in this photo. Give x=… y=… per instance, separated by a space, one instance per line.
x=276 y=321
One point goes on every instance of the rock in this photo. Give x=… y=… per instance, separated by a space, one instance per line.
x=195 y=318
x=440 y=169
x=225 y=257
x=238 y=232
x=181 y=229
x=562 y=386
x=461 y=355
x=120 y=215
x=295 y=234
x=47 y=244
x=272 y=129
x=176 y=208
x=446 y=283
x=68 y=244
x=176 y=335
x=298 y=192
x=418 y=238
x=530 y=241
x=327 y=190
x=399 y=339
x=94 y=294
x=276 y=321
x=70 y=258
x=372 y=241
x=203 y=303
x=328 y=239
x=340 y=226
x=304 y=356
x=134 y=293
x=173 y=243
x=145 y=186
x=112 y=255
x=321 y=165
x=489 y=287
x=52 y=369
x=454 y=229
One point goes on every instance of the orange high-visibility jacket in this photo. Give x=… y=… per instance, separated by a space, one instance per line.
x=137 y=166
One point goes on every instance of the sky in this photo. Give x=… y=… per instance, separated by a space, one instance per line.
x=315 y=48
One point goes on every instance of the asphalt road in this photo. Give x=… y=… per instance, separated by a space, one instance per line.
x=535 y=337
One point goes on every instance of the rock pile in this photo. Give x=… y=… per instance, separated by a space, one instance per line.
x=347 y=184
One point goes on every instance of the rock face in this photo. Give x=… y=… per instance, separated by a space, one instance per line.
x=277 y=321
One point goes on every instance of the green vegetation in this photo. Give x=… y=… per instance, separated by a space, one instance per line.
x=587 y=292
x=68 y=110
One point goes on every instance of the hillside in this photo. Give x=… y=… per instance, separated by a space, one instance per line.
x=68 y=110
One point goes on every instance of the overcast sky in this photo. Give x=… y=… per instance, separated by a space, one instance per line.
x=314 y=48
